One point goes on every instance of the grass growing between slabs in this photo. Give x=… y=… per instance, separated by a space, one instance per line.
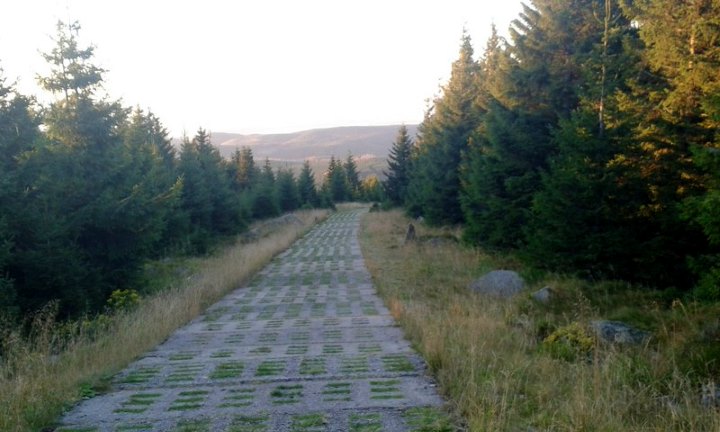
x=521 y=365
x=40 y=377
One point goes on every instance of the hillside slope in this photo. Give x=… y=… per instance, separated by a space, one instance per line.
x=368 y=142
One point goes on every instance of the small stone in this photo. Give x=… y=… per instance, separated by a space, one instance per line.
x=710 y=395
x=543 y=295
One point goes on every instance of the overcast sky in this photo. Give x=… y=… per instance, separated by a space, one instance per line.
x=259 y=66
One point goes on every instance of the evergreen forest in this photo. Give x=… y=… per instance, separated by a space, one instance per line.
x=91 y=189
x=585 y=142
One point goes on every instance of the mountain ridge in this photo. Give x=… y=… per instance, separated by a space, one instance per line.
x=364 y=142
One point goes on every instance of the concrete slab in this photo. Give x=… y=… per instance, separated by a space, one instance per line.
x=306 y=346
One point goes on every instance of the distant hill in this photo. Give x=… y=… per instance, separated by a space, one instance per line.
x=364 y=142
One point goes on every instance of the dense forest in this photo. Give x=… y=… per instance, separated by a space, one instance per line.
x=586 y=142
x=91 y=189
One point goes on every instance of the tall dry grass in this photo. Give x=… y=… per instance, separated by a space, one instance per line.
x=37 y=381
x=487 y=357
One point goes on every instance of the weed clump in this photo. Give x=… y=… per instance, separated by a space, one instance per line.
x=569 y=343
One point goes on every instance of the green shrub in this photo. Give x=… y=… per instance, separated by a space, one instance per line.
x=569 y=343
x=123 y=300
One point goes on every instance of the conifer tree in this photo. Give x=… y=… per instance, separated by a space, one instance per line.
x=306 y=187
x=73 y=74
x=675 y=112
x=397 y=175
x=287 y=191
x=101 y=213
x=150 y=172
x=207 y=196
x=352 y=177
x=435 y=183
x=18 y=135
x=245 y=171
x=265 y=202
x=336 y=180
x=371 y=189
x=529 y=85
x=581 y=214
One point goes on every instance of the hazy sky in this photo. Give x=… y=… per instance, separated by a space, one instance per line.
x=259 y=66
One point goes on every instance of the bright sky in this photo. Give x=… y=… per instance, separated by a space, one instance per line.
x=259 y=66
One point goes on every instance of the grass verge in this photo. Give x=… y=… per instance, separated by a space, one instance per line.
x=493 y=360
x=38 y=380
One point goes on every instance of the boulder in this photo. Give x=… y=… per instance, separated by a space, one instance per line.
x=499 y=283
x=543 y=295
x=619 y=333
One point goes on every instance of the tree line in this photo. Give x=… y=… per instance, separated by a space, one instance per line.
x=91 y=189
x=586 y=142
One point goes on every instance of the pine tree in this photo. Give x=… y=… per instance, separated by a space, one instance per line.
x=482 y=191
x=246 y=172
x=225 y=217
x=18 y=135
x=352 y=177
x=196 y=198
x=435 y=182
x=287 y=191
x=371 y=189
x=74 y=74
x=675 y=111
x=265 y=200
x=336 y=181
x=306 y=187
x=100 y=212
x=581 y=216
x=397 y=175
x=527 y=86
x=150 y=172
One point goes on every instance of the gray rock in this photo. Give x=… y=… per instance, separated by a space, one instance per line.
x=619 y=333
x=543 y=295
x=710 y=395
x=290 y=219
x=436 y=242
x=499 y=283
x=410 y=235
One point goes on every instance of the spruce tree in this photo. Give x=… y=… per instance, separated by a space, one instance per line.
x=245 y=171
x=371 y=189
x=306 y=187
x=265 y=200
x=435 y=182
x=582 y=214
x=397 y=175
x=18 y=134
x=352 y=177
x=287 y=191
x=674 y=108
x=98 y=201
x=150 y=171
x=336 y=181
x=73 y=74
x=527 y=86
